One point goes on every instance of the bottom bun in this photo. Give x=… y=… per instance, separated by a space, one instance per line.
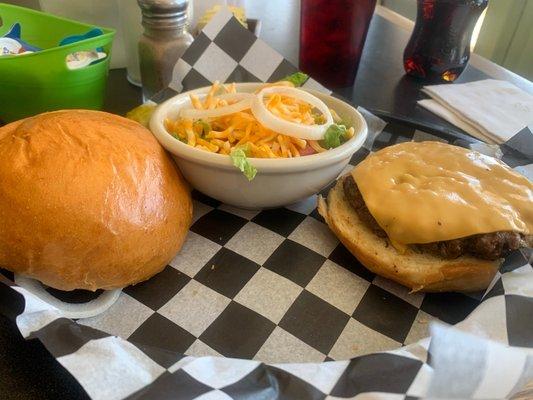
x=418 y=271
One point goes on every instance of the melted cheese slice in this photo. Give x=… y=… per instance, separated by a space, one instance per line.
x=429 y=191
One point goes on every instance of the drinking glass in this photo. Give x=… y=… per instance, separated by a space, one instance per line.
x=332 y=36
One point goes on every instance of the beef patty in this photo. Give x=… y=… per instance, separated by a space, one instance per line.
x=489 y=246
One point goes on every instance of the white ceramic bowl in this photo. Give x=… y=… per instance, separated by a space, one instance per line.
x=278 y=182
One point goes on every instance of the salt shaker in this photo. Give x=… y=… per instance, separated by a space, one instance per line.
x=163 y=42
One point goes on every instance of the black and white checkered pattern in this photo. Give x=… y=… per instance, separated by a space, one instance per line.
x=225 y=51
x=292 y=313
x=273 y=287
x=522 y=142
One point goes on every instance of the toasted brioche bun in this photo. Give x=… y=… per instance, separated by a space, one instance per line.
x=418 y=271
x=88 y=200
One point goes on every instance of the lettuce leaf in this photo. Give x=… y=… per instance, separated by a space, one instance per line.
x=334 y=136
x=319 y=118
x=240 y=160
x=206 y=128
x=298 y=78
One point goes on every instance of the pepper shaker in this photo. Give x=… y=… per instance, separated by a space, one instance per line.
x=163 y=42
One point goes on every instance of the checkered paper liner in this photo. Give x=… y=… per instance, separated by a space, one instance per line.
x=522 y=142
x=292 y=313
x=289 y=299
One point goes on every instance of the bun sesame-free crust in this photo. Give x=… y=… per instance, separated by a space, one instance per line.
x=88 y=200
x=418 y=271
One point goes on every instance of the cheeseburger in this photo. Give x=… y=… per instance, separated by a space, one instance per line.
x=431 y=216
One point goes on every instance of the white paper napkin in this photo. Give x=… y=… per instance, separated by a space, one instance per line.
x=490 y=110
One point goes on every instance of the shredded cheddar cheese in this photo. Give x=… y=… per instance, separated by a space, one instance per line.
x=242 y=128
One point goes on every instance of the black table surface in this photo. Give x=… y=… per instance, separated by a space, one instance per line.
x=28 y=371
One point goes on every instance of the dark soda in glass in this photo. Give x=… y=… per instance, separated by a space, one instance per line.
x=439 y=48
x=332 y=36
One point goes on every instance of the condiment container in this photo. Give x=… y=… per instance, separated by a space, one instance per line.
x=42 y=81
x=164 y=40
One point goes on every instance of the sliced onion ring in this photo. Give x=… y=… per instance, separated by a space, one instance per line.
x=69 y=310
x=244 y=101
x=277 y=124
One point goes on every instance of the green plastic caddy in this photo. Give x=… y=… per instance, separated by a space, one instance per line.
x=40 y=81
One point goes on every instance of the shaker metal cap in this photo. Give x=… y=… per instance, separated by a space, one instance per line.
x=163 y=9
